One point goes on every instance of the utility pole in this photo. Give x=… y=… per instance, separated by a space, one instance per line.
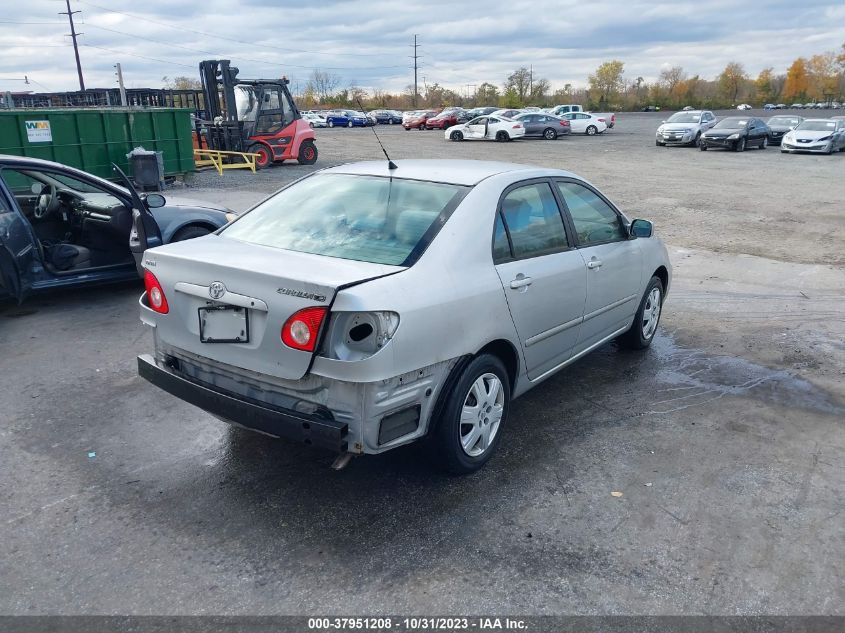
x=74 y=34
x=415 y=56
x=530 y=80
x=119 y=74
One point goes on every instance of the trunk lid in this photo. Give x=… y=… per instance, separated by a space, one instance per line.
x=270 y=284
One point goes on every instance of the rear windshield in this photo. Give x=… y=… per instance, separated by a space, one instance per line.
x=364 y=218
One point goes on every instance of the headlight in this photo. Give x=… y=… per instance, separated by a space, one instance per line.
x=733 y=137
x=231 y=217
x=660 y=130
x=826 y=138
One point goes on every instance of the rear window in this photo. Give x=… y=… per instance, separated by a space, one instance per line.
x=364 y=218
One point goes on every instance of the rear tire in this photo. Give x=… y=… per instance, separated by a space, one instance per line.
x=502 y=136
x=549 y=134
x=644 y=327
x=592 y=130
x=476 y=407
x=457 y=136
x=349 y=124
x=189 y=233
x=307 y=153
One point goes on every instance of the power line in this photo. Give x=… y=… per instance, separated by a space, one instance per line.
x=222 y=37
x=73 y=35
x=153 y=59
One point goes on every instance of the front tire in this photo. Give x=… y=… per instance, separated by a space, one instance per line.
x=549 y=134
x=457 y=136
x=189 y=233
x=264 y=158
x=697 y=140
x=764 y=143
x=644 y=327
x=592 y=130
x=349 y=124
x=470 y=427
x=740 y=145
x=702 y=146
x=330 y=123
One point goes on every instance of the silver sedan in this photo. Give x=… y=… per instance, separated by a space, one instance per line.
x=370 y=305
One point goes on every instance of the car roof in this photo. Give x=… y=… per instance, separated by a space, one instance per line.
x=458 y=172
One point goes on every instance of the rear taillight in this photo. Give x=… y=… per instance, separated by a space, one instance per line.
x=602 y=120
x=155 y=293
x=565 y=123
x=517 y=126
x=300 y=331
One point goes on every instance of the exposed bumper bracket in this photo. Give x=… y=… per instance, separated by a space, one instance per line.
x=329 y=434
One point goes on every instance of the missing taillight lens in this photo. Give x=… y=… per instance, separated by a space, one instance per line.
x=155 y=293
x=302 y=329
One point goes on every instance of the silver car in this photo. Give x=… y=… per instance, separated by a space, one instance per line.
x=685 y=128
x=364 y=307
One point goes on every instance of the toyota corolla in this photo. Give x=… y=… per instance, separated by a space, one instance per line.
x=370 y=305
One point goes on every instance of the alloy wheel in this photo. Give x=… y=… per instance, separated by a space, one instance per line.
x=481 y=414
x=651 y=313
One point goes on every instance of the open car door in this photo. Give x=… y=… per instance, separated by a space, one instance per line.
x=18 y=250
x=145 y=230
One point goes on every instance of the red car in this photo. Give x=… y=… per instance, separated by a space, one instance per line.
x=446 y=119
x=417 y=120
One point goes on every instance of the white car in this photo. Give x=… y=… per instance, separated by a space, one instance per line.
x=743 y=106
x=585 y=123
x=489 y=128
x=314 y=119
x=824 y=136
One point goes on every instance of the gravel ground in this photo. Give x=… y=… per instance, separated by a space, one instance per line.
x=725 y=439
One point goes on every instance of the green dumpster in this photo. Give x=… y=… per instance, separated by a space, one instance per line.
x=93 y=139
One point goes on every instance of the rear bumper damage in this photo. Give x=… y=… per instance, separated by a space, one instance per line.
x=339 y=415
x=308 y=429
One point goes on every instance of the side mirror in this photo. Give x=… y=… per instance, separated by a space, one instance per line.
x=641 y=228
x=155 y=200
x=663 y=121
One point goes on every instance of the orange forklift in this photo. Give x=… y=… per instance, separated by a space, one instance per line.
x=252 y=115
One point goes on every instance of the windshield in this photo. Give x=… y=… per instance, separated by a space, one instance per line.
x=818 y=126
x=684 y=117
x=245 y=102
x=364 y=218
x=732 y=123
x=784 y=120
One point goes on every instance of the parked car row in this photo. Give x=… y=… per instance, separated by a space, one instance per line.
x=833 y=105
x=793 y=133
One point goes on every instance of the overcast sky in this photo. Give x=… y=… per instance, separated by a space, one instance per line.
x=368 y=41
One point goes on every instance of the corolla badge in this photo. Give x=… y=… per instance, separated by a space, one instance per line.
x=216 y=289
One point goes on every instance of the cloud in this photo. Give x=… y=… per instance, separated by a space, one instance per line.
x=369 y=41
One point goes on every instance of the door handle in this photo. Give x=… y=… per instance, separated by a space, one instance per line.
x=594 y=263
x=521 y=282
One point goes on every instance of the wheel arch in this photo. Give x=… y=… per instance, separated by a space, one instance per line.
x=174 y=229
x=507 y=353
x=663 y=275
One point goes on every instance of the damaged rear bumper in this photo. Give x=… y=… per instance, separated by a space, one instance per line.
x=308 y=429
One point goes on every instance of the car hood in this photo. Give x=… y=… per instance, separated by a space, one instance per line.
x=780 y=128
x=679 y=126
x=177 y=202
x=725 y=131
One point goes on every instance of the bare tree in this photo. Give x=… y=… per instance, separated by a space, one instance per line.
x=323 y=84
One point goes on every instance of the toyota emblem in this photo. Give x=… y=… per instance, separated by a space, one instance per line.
x=216 y=289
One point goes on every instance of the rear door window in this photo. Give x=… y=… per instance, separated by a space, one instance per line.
x=532 y=221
